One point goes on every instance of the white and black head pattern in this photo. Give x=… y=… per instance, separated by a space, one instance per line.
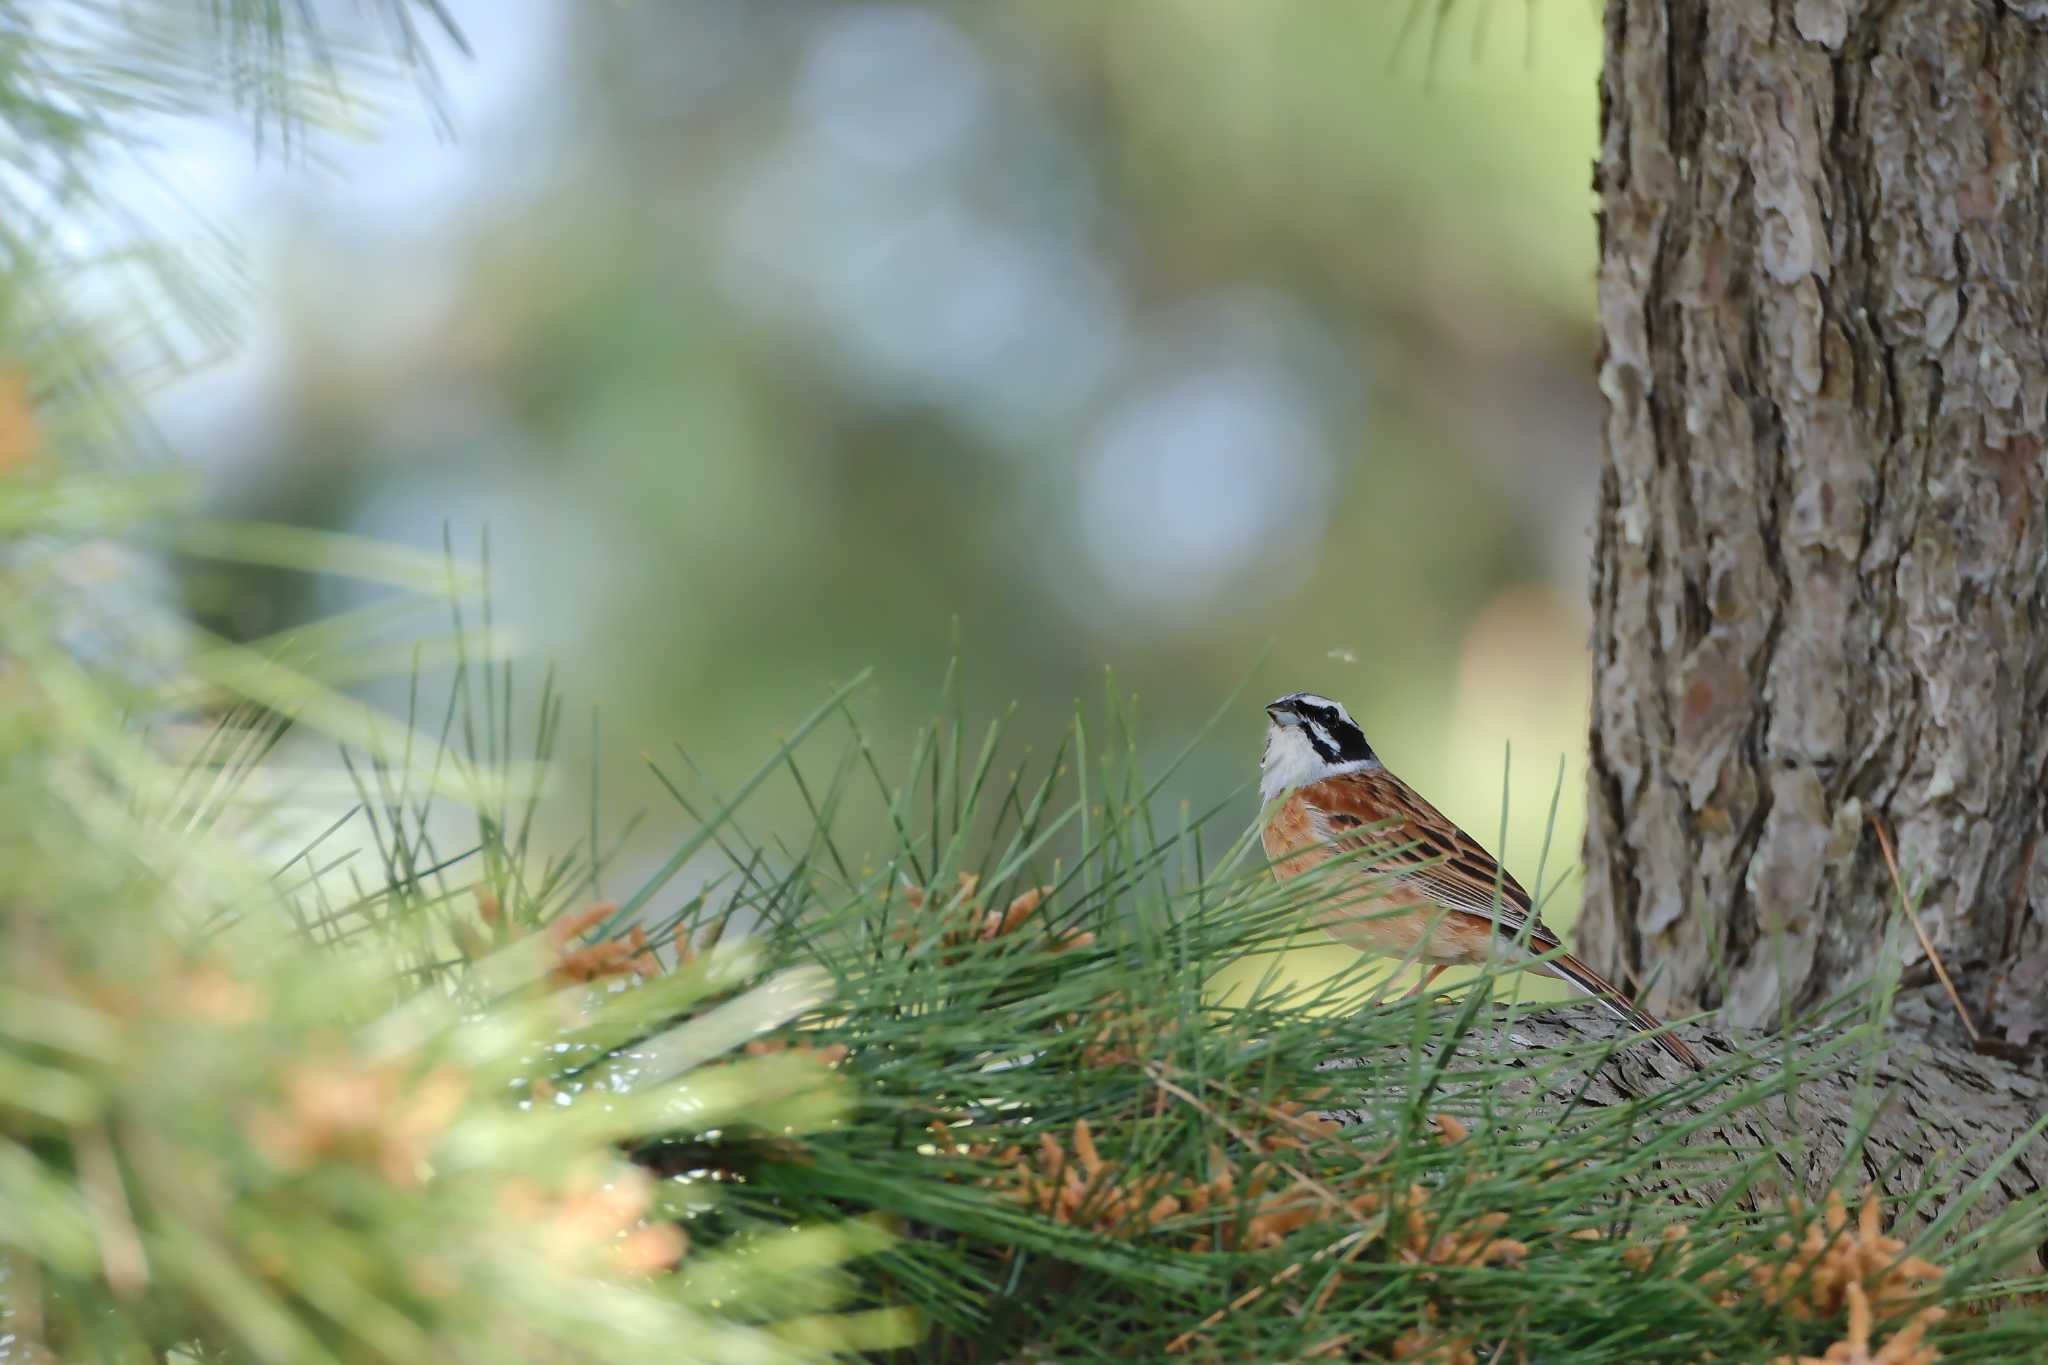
x=1310 y=738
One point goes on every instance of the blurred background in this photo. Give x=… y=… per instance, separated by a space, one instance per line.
x=1206 y=344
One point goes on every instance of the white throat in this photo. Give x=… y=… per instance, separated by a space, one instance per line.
x=1291 y=761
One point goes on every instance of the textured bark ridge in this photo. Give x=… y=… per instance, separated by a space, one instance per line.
x=1939 y=1117
x=1821 y=588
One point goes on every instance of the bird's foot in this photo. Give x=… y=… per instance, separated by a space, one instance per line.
x=1431 y=974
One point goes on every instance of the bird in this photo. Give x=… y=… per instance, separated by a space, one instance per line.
x=1427 y=890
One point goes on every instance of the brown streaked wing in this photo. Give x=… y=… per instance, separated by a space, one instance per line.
x=1422 y=848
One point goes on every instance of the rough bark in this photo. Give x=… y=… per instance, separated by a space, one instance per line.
x=1821 y=587
x=1940 y=1116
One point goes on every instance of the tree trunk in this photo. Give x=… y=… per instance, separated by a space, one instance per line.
x=1821 y=590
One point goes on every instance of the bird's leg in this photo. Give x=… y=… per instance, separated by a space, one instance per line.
x=1428 y=976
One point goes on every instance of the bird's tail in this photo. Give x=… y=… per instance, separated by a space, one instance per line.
x=1569 y=969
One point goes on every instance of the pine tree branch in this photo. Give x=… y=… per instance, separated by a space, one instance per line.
x=1932 y=1114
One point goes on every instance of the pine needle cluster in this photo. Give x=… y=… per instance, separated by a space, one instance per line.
x=1083 y=1149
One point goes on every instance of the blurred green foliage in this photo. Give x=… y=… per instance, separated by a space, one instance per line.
x=773 y=342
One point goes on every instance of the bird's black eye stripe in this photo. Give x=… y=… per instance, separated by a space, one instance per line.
x=1336 y=736
x=1326 y=744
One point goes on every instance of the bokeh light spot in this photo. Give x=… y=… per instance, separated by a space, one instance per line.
x=1197 y=482
x=893 y=85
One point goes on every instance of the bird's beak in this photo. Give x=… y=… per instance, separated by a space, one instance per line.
x=1283 y=715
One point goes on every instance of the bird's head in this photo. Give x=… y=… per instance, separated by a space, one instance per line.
x=1309 y=738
